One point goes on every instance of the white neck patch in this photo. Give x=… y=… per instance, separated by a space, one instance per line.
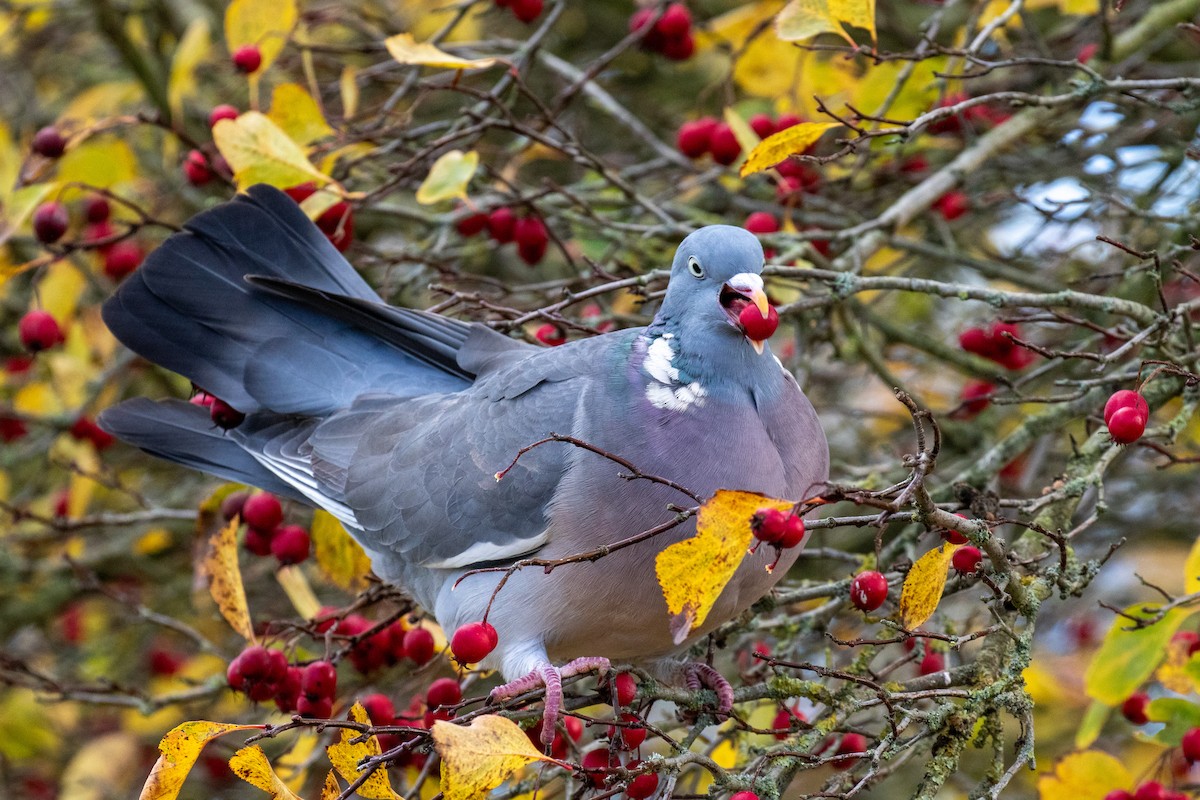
x=664 y=390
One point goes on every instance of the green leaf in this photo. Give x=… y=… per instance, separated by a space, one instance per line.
x=1093 y=722
x=266 y=24
x=804 y=19
x=448 y=177
x=1179 y=716
x=1129 y=655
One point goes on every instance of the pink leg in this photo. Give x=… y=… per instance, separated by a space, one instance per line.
x=698 y=675
x=546 y=675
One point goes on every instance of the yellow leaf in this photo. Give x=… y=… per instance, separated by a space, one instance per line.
x=692 y=573
x=479 y=757
x=1089 y=775
x=448 y=177
x=220 y=566
x=297 y=114
x=298 y=590
x=778 y=146
x=319 y=202
x=1129 y=655
x=331 y=790
x=18 y=206
x=1191 y=569
x=60 y=289
x=339 y=556
x=804 y=19
x=923 y=586
x=193 y=48
x=103 y=161
x=260 y=152
x=180 y=748
x=251 y=765
x=407 y=50
x=265 y=24
x=101 y=101
x=104 y=767
x=747 y=139
x=348 y=86
x=345 y=758
x=350 y=151
x=1173 y=673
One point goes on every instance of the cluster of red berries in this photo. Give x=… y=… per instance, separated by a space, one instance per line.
x=1125 y=415
x=85 y=430
x=1150 y=790
x=977 y=118
x=385 y=647
x=52 y=219
x=670 y=35
x=504 y=226
x=708 y=135
x=524 y=10
x=598 y=764
x=780 y=529
x=993 y=345
x=266 y=535
x=336 y=222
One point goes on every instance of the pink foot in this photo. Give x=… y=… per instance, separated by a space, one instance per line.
x=698 y=675
x=551 y=678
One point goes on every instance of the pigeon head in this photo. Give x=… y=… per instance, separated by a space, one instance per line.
x=715 y=277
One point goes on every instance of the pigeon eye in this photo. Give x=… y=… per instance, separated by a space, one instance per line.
x=694 y=267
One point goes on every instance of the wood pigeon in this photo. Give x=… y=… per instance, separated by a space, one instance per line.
x=396 y=421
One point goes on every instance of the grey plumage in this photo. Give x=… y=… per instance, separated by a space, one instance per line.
x=397 y=421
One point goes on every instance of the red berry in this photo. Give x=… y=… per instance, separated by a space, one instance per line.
x=966 y=559
x=12 y=429
x=1150 y=790
x=1125 y=398
x=762 y=125
x=532 y=254
x=1135 y=706
x=287 y=691
x=164 y=662
x=418 y=645
x=595 y=763
x=784 y=722
x=196 y=168
x=291 y=545
x=247 y=59
x=301 y=191
x=744 y=796
x=530 y=231
x=472 y=642
x=679 y=48
x=914 y=164
x=1119 y=794
x=868 y=590
x=258 y=542
x=977 y=341
x=975 y=397
x=851 y=743
x=761 y=222
x=769 y=524
x=98 y=235
x=319 y=680
x=97 y=209
x=231 y=506
x=502 y=225
x=755 y=325
x=674 y=22
x=931 y=662
x=632 y=733
x=262 y=511
x=953 y=536
x=1086 y=52
x=695 y=138
x=49 y=142
x=793 y=532
x=85 y=430
x=1191 y=745
x=224 y=415
x=50 y=222
x=550 y=334
x=314 y=707
x=642 y=786
x=786 y=121
x=626 y=688
x=122 y=258
x=443 y=692
x=379 y=708
x=471 y=224
x=952 y=205
x=39 y=331
x=223 y=111
x=526 y=10
x=724 y=145
x=1126 y=425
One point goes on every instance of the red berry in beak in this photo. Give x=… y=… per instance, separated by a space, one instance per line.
x=756 y=326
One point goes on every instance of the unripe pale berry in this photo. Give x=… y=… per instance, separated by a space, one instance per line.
x=868 y=590
x=472 y=642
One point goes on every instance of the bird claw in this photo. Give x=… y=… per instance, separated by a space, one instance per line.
x=698 y=675
x=551 y=678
